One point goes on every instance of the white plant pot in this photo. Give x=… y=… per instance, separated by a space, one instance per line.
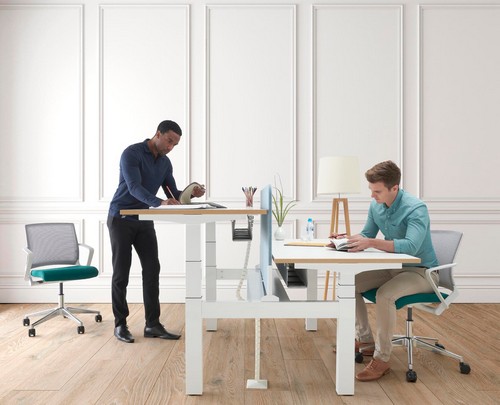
x=279 y=234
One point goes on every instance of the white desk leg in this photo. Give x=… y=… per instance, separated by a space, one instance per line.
x=312 y=295
x=345 y=333
x=194 y=326
x=211 y=270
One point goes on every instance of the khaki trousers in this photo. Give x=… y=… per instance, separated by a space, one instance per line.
x=392 y=284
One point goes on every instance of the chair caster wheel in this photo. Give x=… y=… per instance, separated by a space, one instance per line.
x=98 y=318
x=411 y=376
x=439 y=345
x=358 y=357
x=81 y=330
x=31 y=332
x=26 y=322
x=464 y=368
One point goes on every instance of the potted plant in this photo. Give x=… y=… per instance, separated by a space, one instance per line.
x=280 y=209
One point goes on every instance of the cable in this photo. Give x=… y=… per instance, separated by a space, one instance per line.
x=244 y=272
x=243 y=234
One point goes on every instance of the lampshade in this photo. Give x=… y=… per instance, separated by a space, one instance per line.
x=338 y=174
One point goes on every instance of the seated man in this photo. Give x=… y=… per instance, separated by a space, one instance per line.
x=404 y=221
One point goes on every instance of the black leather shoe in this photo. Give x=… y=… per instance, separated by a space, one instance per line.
x=122 y=333
x=159 y=331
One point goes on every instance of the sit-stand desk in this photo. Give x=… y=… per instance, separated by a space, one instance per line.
x=197 y=308
x=347 y=265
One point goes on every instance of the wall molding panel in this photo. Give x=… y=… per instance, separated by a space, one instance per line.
x=459 y=55
x=144 y=73
x=357 y=58
x=251 y=97
x=41 y=103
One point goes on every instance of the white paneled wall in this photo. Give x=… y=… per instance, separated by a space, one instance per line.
x=41 y=74
x=259 y=89
x=251 y=90
x=357 y=80
x=144 y=69
x=460 y=100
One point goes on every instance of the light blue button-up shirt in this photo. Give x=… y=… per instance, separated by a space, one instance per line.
x=407 y=223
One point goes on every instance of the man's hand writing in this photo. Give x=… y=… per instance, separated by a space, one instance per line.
x=170 y=201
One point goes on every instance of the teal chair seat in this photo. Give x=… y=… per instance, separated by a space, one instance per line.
x=66 y=273
x=430 y=298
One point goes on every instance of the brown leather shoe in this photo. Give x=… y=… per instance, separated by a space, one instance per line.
x=367 y=348
x=374 y=370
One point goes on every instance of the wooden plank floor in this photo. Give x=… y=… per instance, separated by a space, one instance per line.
x=58 y=366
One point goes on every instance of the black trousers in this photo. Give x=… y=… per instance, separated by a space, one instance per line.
x=124 y=234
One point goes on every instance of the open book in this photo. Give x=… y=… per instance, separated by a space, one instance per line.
x=185 y=197
x=340 y=244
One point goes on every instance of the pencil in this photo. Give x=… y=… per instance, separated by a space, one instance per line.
x=170 y=191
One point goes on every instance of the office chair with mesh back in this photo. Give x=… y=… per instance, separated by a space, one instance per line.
x=446 y=245
x=53 y=257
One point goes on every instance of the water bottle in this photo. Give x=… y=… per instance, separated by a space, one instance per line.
x=310 y=229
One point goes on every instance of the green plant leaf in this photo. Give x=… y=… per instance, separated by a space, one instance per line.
x=280 y=210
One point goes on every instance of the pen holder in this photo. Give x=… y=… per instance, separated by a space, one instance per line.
x=249 y=192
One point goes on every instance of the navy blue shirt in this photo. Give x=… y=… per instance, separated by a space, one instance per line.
x=141 y=176
x=407 y=223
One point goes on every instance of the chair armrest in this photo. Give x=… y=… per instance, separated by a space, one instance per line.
x=29 y=262
x=90 y=252
x=435 y=287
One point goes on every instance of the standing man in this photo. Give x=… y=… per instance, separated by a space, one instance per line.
x=144 y=168
x=404 y=222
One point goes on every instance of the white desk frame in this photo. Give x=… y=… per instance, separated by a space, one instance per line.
x=314 y=258
x=197 y=308
x=347 y=265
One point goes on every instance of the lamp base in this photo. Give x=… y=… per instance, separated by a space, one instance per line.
x=334 y=228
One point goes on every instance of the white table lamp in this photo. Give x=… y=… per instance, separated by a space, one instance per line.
x=338 y=175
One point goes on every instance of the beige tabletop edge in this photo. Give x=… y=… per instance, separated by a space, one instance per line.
x=348 y=260
x=196 y=211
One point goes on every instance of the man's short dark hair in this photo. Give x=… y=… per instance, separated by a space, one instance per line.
x=386 y=172
x=168 y=125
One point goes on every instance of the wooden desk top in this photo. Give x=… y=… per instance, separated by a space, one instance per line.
x=195 y=211
x=311 y=254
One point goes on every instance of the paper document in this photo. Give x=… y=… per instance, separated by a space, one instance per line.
x=209 y=203
x=317 y=243
x=181 y=207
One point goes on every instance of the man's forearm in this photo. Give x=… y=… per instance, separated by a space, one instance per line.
x=382 y=244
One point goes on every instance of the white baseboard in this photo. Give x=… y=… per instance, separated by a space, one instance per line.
x=485 y=289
